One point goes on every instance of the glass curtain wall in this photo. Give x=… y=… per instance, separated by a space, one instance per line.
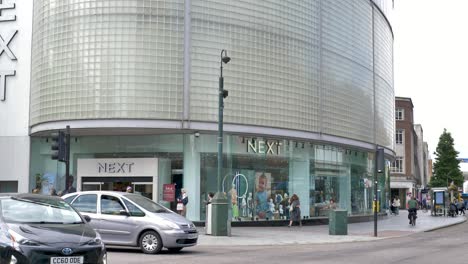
x=259 y=174
x=259 y=184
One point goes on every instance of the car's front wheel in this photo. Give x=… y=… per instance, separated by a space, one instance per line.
x=150 y=242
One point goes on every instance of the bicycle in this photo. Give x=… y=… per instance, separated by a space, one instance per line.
x=412 y=216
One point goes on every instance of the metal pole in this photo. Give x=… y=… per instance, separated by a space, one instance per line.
x=375 y=191
x=67 y=155
x=219 y=217
x=220 y=125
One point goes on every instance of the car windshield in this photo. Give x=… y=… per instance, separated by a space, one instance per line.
x=146 y=203
x=19 y=210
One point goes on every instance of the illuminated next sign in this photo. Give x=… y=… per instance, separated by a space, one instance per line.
x=264 y=147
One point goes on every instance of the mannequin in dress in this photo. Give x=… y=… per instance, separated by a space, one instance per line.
x=285 y=204
x=281 y=211
x=244 y=206
x=235 y=208
x=271 y=209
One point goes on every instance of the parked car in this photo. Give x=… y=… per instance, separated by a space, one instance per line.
x=129 y=219
x=38 y=229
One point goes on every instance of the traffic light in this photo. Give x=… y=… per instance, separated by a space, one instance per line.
x=59 y=146
x=380 y=160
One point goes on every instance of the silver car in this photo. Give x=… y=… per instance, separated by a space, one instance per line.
x=128 y=219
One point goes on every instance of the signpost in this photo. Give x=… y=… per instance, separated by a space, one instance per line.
x=169 y=192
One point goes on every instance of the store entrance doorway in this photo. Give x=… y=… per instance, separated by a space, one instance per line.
x=178 y=180
x=141 y=185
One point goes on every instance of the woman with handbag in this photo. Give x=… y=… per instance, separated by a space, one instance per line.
x=182 y=203
x=295 y=210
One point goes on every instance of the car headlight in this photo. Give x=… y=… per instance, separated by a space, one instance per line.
x=165 y=224
x=95 y=241
x=18 y=240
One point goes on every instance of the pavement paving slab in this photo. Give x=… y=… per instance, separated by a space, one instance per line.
x=390 y=227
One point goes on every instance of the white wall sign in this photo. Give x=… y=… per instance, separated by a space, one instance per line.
x=117 y=167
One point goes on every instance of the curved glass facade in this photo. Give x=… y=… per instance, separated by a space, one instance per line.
x=310 y=96
x=314 y=66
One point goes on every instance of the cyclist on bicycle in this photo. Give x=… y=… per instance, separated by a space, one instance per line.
x=412 y=208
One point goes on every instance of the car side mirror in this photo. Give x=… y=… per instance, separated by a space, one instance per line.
x=87 y=218
x=123 y=212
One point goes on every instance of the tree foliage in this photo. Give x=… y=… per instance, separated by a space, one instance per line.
x=446 y=165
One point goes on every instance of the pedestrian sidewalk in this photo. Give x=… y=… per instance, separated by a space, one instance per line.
x=391 y=226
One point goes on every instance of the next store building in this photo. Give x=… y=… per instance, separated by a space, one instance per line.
x=310 y=85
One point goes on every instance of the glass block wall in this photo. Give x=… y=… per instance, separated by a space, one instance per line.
x=273 y=78
x=384 y=92
x=320 y=66
x=102 y=59
x=347 y=69
x=314 y=66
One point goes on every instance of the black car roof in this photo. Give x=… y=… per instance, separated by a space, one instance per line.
x=40 y=198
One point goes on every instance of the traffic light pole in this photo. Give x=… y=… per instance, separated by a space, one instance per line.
x=67 y=155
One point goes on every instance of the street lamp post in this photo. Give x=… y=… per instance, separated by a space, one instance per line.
x=219 y=202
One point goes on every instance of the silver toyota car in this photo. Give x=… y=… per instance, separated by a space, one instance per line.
x=128 y=219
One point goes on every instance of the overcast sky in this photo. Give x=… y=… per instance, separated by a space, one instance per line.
x=431 y=66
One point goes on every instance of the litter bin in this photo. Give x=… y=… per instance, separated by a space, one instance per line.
x=208 y=229
x=338 y=222
x=219 y=216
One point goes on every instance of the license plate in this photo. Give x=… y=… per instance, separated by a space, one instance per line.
x=67 y=260
x=193 y=236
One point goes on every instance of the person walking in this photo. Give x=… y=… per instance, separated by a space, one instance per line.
x=295 y=210
x=461 y=207
x=396 y=204
x=182 y=203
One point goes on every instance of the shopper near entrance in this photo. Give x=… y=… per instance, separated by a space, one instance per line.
x=70 y=188
x=52 y=192
x=332 y=204
x=129 y=189
x=210 y=197
x=182 y=202
x=295 y=210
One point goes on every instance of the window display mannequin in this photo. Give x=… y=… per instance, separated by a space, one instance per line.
x=281 y=211
x=278 y=199
x=250 y=204
x=271 y=209
x=285 y=204
x=235 y=209
x=244 y=206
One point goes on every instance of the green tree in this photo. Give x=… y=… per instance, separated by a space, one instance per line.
x=446 y=165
